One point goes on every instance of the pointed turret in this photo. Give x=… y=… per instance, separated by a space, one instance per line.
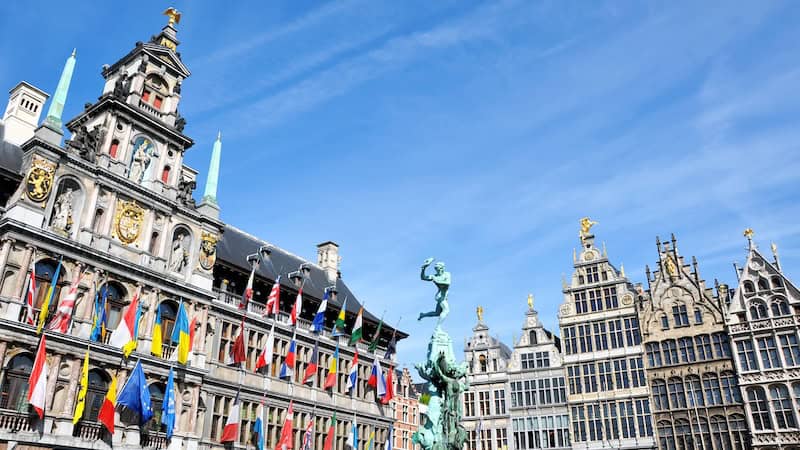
x=210 y=193
x=53 y=119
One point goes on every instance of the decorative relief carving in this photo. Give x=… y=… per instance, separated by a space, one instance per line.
x=128 y=221
x=208 y=250
x=627 y=299
x=39 y=181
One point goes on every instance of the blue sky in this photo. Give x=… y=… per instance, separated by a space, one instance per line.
x=475 y=132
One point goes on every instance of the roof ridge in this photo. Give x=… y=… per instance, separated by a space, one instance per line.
x=252 y=236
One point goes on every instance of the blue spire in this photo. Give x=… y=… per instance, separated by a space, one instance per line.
x=53 y=119
x=210 y=194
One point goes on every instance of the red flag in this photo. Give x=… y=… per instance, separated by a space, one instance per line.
x=248 y=291
x=65 y=307
x=311 y=370
x=237 y=350
x=307 y=436
x=231 y=431
x=106 y=413
x=192 y=325
x=37 y=383
x=30 y=319
x=389 y=395
x=328 y=445
x=298 y=306
x=287 y=440
x=274 y=299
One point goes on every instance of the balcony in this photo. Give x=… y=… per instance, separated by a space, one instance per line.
x=149 y=109
x=90 y=431
x=765 y=324
x=152 y=439
x=14 y=421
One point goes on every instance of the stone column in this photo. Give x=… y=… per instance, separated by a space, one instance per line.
x=7 y=243
x=14 y=307
x=19 y=286
x=52 y=378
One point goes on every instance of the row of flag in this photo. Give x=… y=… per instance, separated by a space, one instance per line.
x=133 y=397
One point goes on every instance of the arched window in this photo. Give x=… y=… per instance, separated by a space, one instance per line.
x=711 y=386
x=154 y=244
x=730 y=389
x=759 y=407
x=762 y=284
x=66 y=210
x=677 y=397
x=156 y=401
x=14 y=394
x=482 y=361
x=664 y=322
x=779 y=307
x=155 y=90
x=739 y=431
x=776 y=282
x=703 y=345
x=115 y=302
x=758 y=310
x=670 y=351
x=661 y=402
x=686 y=346
x=719 y=431
x=665 y=435
x=695 y=390
x=653 y=354
x=165 y=175
x=45 y=270
x=95 y=394
x=112 y=151
x=169 y=311
x=97 y=221
x=179 y=250
x=683 y=434
x=698 y=316
x=532 y=337
x=782 y=406
x=749 y=287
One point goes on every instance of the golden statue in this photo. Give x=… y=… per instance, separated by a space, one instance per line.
x=748 y=233
x=672 y=269
x=773 y=247
x=173 y=14
x=530 y=301
x=479 y=312
x=586 y=226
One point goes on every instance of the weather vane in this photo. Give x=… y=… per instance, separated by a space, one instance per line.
x=174 y=16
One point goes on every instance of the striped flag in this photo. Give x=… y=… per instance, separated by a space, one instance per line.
x=37 y=383
x=308 y=436
x=30 y=317
x=274 y=299
x=48 y=298
x=287 y=368
x=298 y=307
x=352 y=438
x=238 y=354
x=328 y=444
x=80 y=405
x=352 y=377
x=248 y=290
x=231 y=431
x=311 y=370
x=156 y=344
x=370 y=440
x=259 y=427
x=389 y=444
x=389 y=394
x=265 y=358
x=338 y=326
x=358 y=328
x=123 y=335
x=106 y=413
x=66 y=305
x=333 y=369
x=319 y=318
x=286 y=440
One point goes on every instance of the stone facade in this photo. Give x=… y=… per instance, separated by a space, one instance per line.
x=603 y=356
x=111 y=211
x=406 y=411
x=763 y=321
x=694 y=392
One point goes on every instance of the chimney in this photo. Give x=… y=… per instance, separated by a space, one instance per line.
x=22 y=112
x=328 y=258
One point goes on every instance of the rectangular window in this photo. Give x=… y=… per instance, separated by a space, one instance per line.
x=632 y=335
x=698 y=316
x=653 y=354
x=559 y=389
x=595 y=422
x=595 y=300
x=664 y=322
x=545 y=394
x=703 y=344
x=643 y=418
x=721 y=345
x=611 y=425
x=670 y=352
x=500 y=402
x=686 y=347
x=574 y=376
x=570 y=341
x=469 y=404
x=502 y=438
x=585 y=338
x=542 y=359
x=516 y=394
x=580 y=303
x=627 y=419
x=637 y=372
x=680 y=316
x=747 y=356
x=615 y=333
x=589 y=378
x=605 y=375
x=610 y=295
x=769 y=352
x=484 y=403
x=600 y=337
x=790 y=348
x=578 y=424
x=621 y=374
x=527 y=360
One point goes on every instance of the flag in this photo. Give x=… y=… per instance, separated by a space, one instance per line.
x=373 y=345
x=265 y=358
x=478 y=434
x=330 y=380
x=238 y=354
x=287 y=368
x=358 y=329
x=80 y=405
x=231 y=431
x=389 y=394
x=106 y=413
x=391 y=348
x=370 y=440
x=168 y=406
x=298 y=307
x=338 y=326
x=286 y=440
x=48 y=298
x=274 y=299
x=313 y=364
x=389 y=444
x=100 y=316
x=248 y=290
x=376 y=379
x=30 y=293
x=37 y=383
x=192 y=326
x=352 y=377
x=352 y=438
x=131 y=346
x=156 y=346
x=258 y=427
x=135 y=395
x=328 y=444
x=66 y=305
x=308 y=435
x=180 y=334
x=123 y=336
x=319 y=318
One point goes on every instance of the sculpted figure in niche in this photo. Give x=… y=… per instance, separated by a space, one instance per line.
x=180 y=252
x=140 y=160
x=62 y=211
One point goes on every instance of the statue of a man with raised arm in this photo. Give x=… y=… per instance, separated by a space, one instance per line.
x=441 y=279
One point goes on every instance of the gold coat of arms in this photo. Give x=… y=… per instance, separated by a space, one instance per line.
x=208 y=250
x=39 y=181
x=128 y=221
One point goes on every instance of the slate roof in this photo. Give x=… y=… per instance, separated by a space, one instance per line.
x=10 y=156
x=235 y=244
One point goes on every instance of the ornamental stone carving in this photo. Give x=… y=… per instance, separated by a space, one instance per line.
x=128 y=221
x=39 y=181
x=208 y=250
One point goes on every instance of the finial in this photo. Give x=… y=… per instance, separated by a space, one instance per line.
x=774 y=248
x=173 y=14
x=219 y=135
x=622 y=270
x=74 y=52
x=605 y=254
x=586 y=226
x=479 y=312
x=775 y=255
x=748 y=233
x=530 y=301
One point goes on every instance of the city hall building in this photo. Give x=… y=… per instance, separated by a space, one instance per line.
x=112 y=210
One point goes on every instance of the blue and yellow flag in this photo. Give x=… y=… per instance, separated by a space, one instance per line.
x=155 y=346
x=48 y=299
x=100 y=316
x=180 y=334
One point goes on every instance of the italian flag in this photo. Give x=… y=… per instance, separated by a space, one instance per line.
x=358 y=329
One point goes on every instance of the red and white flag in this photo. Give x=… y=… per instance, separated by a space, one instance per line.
x=298 y=307
x=231 y=431
x=65 y=307
x=308 y=436
x=286 y=442
x=248 y=291
x=123 y=334
x=274 y=299
x=265 y=358
x=30 y=317
x=37 y=383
